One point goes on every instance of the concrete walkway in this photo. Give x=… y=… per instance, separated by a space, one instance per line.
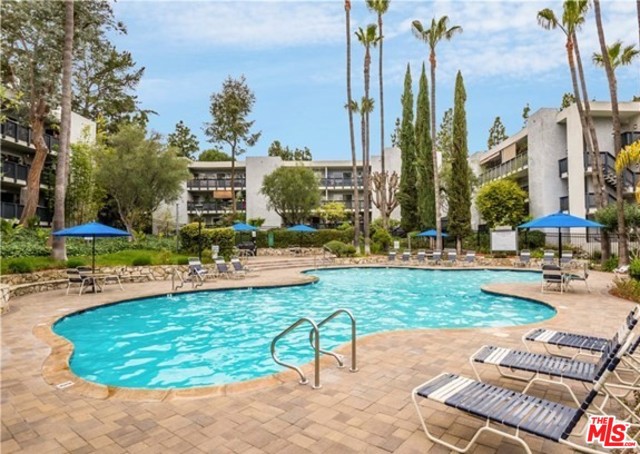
x=369 y=411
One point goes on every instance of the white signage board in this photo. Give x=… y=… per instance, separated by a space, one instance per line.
x=504 y=240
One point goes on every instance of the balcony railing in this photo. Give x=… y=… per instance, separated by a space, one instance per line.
x=563 y=166
x=629 y=137
x=216 y=207
x=608 y=161
x=339 y=182
x=13 y=210
x=519 y=162
x=17 y=132
x=14 y=171
x=591 y=200
x=209 y=184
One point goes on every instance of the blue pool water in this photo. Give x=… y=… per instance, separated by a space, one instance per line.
x=217 y=337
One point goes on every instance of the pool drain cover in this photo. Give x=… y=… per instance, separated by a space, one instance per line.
x=64 y=385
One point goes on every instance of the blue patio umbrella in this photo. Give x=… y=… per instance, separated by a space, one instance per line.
x=431 y=234
x=92 y=230
x=302 y=228
x=242 y=227
x=559 y=220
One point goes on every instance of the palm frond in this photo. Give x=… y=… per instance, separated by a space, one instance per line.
x=547 y=19
x=378 y=6
x=628 y=156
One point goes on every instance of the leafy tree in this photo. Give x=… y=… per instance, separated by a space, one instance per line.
x=332 y=213
x=287 y=154
x=229 y=110
x=214 y=155
x=438 y=31
x=502 y=202
x=407 y=192
x=525 y=114
x=497 y=133
x=58 y=250
x=567 y=100
x=84 y=196
x=459 y=194
x=139 y=173
x=292 y=192
x=444 y=143
x=183 y=140
x=424 y=160
x=352 y=138
x=608 y=216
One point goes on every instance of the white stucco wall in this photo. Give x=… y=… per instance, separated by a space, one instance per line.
x=257 y=167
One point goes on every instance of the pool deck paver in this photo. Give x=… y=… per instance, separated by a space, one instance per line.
x=367 y=411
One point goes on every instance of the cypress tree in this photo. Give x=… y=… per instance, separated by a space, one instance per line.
x=460 y=189
x=424 y=161
x=407 y=192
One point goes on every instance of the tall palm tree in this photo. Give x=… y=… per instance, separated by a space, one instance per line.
x=573 y=13
x=380 y=7
x=618 y=55
x=349 y=106
x=438 y=31
x=58 y=251
x=368 y=37
x=638 y=9
x=623 y=243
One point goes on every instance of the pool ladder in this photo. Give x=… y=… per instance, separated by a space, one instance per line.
x=196 y=280
x=314 y=340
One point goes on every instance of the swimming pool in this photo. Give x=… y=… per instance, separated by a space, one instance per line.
x=217 y=337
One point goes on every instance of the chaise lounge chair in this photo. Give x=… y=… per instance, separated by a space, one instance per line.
x=579 y=277
x=238 y=268
x=566 y=260
x=501 y=406
x=224 y=270
x=452 y=258
x=436 y=258
x=391 y=256
x=406 y=256
x=552 y=275
x=421 y=257
x=548 y=258
x=75 y=277
x=525 y=258
x=470 y=258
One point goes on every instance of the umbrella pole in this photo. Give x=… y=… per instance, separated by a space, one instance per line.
x=560 y=247
x=93 y=260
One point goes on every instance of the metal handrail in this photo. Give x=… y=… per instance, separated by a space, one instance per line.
x=174 y=287
x=316 y=348
x=339 y=358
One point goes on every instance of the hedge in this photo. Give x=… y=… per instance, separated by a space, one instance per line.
x=223 y=237
x=283 y=238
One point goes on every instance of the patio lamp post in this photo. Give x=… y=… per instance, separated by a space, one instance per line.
x=198 y=209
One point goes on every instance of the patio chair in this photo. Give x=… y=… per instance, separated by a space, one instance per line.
x=525 y=258
x=566 y=259
x=196 y=269
x=579 y=277
x=421 y=257
x=238 y=268
x=548 y=258
x=552 y=275
x=223 y=269
x=501 y=406
x=75 y=277
x=452 y=258
x=624 y=269
x=436 y=258
x=391 y=256
x=406 y=256
x=544 y=368
x=470 y=258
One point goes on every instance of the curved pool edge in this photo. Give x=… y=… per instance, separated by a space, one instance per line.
x=56 y=369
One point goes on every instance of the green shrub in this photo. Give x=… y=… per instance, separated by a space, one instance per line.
x=223 y=237
x=141 y=260
x=610 y=264
x=20 y=267
x=341 y=249
x=182 y=261
x=531 y=240
x=634 y=269
x=627 y=288
x=282 y=238
x=164 y=257
x=382 y=240
x=75 y=263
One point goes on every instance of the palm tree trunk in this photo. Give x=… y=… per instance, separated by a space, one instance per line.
x=638 y=8
x=383 y=180
x=354 y=159
x=233 y=182
x=59 y=251
x=434 y=153
x=623 y=246
x=365 y=152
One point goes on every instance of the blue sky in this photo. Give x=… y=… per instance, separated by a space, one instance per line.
x=293 y=56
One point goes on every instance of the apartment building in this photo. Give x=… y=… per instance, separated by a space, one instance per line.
x=549 y=161
x=210 y=188
x=17 y=153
